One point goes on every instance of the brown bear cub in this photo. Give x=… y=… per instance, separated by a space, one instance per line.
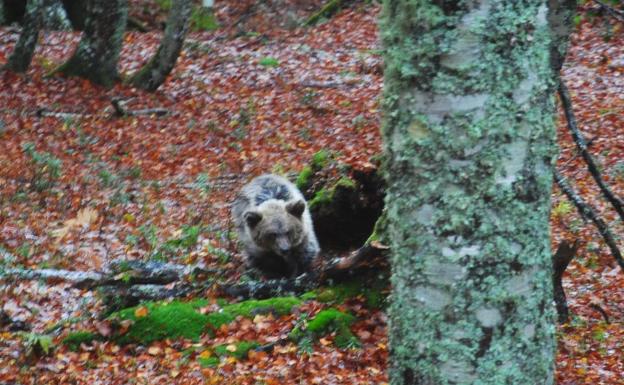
x=274 y=227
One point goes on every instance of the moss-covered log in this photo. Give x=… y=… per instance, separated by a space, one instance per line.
x=98 y=51
x=154 y=73
x=20 y=58
x=469 y=141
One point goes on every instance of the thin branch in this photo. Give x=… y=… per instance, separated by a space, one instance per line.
x=121 y=110
x=601 y=311
x=582 y=146
x=616 y=13
x=560 y=261
x=589 y=212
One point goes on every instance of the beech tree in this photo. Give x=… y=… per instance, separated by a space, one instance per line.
x=154 y=73
x=98 y=51
x=469 y=141
x=20 y=58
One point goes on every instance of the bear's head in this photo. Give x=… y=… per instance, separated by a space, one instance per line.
x=277 y=225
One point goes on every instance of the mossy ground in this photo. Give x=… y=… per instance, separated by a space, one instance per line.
x=238 y=350
x=74 y=339
x=154 y=321
x=328 y=321
x=372 y=290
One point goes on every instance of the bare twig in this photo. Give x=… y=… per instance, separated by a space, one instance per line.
x=602 y=312
x=589 y=212
x=582 y=146
x=121 y=110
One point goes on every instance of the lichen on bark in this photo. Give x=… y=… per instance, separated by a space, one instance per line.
x=154 y=73
x=469 y=143
x=98 y=51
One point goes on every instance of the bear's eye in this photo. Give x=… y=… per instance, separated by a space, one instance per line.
x=271 y=235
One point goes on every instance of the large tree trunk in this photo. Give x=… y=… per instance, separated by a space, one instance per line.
x=55 y=17
x=98 y=51
x=469 y=142
x=154 y=73
x=22 y=54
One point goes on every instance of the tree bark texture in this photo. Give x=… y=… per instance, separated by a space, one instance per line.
x=98 y=51
x=22 y=54
x=154 y=73
x=55 y=17
x=469 y=142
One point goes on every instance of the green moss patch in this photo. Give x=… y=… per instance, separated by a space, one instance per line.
x=252 y=307
x=321 y=197
x=154 y=321
x=208 y=362
x=268 y=62
x=325 y=322
x=238 y=350
x=203 y=19
x=321 y=159
x=304 y=178
x=74 y=339
x=161 y=321
x=372 y=290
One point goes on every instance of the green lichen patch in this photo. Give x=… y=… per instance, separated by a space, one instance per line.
x=74 y=339
x=238 y=350
x=325 y=322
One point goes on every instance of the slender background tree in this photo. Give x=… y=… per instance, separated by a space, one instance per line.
x=20 y=58
x=98 y=51
x=154 y=73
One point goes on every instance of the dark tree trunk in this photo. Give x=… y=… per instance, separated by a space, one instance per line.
x=19 y=61
x=54 y=16
x=77 y=13
x=154 y=73
x=98 y=51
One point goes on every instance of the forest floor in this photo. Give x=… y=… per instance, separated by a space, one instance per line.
x=85 y=187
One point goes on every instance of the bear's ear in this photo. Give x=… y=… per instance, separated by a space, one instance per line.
x=252 y=218
x=296 y=208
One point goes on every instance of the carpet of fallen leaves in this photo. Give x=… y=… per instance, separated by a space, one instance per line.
x=82 y=187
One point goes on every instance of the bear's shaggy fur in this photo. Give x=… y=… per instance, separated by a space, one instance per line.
x=274 y=227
